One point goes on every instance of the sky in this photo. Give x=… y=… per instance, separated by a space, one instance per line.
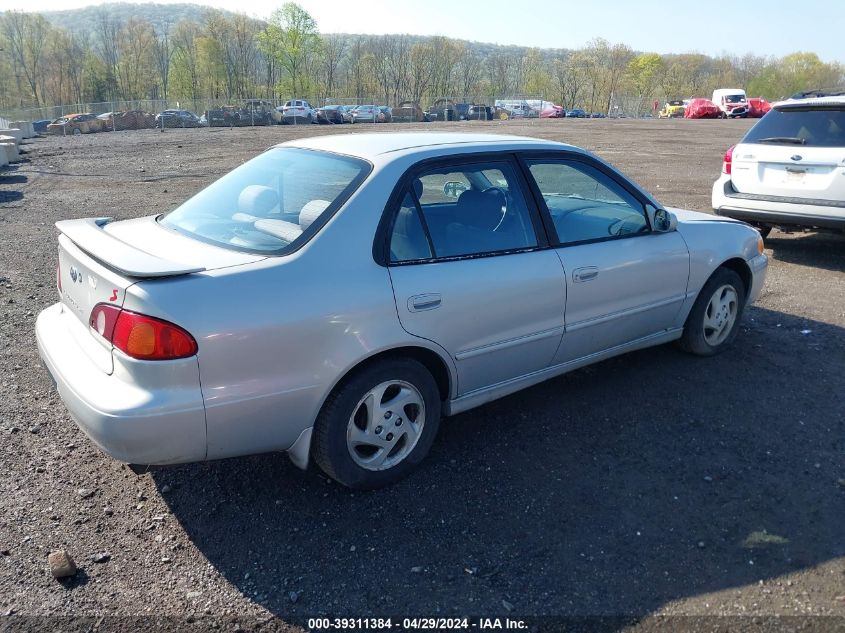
x=773 y=27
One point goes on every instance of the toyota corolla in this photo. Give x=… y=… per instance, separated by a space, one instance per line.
x=334 y=297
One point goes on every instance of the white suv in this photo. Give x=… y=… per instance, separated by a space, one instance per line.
x=789 y=169
x=297 y=111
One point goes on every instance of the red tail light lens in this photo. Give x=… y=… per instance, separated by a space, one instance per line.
x=140 y=336
x=729 y=156
x=59 y=277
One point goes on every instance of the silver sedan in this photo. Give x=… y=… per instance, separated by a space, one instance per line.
x=339 y=317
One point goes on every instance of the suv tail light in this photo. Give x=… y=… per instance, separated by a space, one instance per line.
x=729 y=155
x=59 y=276
x=141 y=336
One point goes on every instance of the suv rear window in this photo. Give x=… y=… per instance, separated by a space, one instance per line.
x=271 y=204
x=818 y=126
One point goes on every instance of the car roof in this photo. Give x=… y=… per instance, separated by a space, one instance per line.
x=812 y=101
x=373 y=144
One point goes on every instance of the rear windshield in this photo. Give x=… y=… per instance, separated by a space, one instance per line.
x=271 y=204
x=817 y=126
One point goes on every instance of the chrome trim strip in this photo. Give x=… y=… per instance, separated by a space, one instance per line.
x=495 y=347
x=622 y=313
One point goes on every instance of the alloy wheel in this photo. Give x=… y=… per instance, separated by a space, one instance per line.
x=386 y=425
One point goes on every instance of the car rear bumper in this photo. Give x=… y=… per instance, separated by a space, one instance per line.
x=777 y=210
x=144 y=412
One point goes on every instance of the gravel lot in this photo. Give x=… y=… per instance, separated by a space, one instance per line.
x=652 y=484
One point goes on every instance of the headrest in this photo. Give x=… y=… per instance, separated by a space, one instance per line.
x=257 y=200
x=480 y=210
x=311 y=211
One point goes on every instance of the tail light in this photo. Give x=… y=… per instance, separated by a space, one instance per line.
x=729 y=155
x=141 y=336
x=59 y=277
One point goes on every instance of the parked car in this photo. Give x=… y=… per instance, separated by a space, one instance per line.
x=448 y=110
x=334 y=114
x=674 y=109
x=598 y=115
x=366 y=114
x=40 y=126
x=409 y=112
x=131 y=120
x=177 y=118
x=481 y=112
x=577 y=113
x=757 y=107
x=516 y=109
x=787 y=170
x=385 y=114
x=297 y=111
x=336 y=318
x=702 y=109
x=259 y=112
x=223 y=116
x=553 y=112
x=85 y=123
x=251 y=112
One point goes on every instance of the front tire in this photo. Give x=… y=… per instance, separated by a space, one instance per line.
x=713 y=322
x=377 y=425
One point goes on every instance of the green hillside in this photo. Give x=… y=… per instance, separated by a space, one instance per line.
x=162 y=16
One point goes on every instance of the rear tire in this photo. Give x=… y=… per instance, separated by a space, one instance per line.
x=713 y=322
x=763 y=230
x=378 y=424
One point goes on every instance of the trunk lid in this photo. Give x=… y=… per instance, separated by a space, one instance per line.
x=100 y=260
x=795 y=171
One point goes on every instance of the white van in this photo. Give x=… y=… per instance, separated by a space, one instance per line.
x=731 y=101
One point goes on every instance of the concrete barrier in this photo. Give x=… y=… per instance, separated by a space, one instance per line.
x=13 y=132
x=25 y=127
x=11 y=151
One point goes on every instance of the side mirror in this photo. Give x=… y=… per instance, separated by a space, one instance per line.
x=453 y=189
x=664 y=221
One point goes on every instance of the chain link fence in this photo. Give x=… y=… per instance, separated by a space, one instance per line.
x=223 y=112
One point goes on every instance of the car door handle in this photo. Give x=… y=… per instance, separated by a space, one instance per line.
x=585 y=274
x=420 y=303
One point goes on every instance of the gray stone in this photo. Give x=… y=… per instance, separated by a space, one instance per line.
x=61 y=564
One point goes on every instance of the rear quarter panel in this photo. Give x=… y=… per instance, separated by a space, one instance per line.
x=276 y=336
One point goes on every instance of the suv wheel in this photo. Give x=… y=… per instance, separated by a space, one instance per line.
x=378 y=425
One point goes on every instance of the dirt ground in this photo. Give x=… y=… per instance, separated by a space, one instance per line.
x=652 y=484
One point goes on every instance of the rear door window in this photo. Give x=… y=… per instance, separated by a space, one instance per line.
x=465 y=210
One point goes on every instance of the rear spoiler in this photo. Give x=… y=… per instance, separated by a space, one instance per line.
x=89 y=236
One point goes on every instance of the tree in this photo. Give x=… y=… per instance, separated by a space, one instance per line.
x=644 y=72
x=468 y=70
x=293 y=38
x=26 y=35
x=186 y=57
x=108 y=31
x=135 y=43
x=163 y=56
